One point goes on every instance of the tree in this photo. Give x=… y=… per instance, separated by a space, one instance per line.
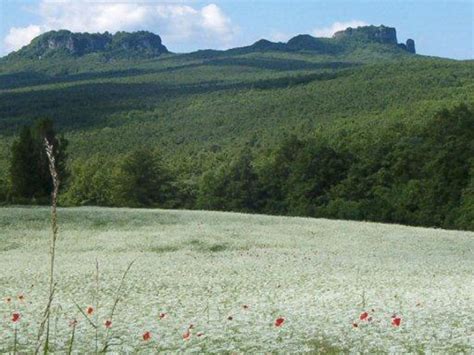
x=298 y=178
x=275 y=174
x=315 y=171
x=44 y=128
x=142 y=180
x=233 y=187
x=3 y=190
x=91 y=182
x=465 y=213
x=23 y=167
x=29 y=171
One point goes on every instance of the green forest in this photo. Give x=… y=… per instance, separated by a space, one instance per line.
x=370 y=132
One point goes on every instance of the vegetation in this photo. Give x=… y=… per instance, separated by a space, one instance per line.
x=233 y=276
x=30 y=178
x=422 y=177
x=63 y=44
x=358 y=133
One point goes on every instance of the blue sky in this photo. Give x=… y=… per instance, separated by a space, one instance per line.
x=439 y=28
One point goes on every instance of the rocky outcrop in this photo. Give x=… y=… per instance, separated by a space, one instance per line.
x=411 y=46
x=141 y=41
x=146 y=44
x=64 y=42
x=380 y=34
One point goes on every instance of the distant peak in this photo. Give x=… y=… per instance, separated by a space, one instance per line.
x=380 y=34
x=64 y=42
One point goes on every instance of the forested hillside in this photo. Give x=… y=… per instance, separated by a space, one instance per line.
x=367 y=129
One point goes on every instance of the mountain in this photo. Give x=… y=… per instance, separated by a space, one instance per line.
x=66 y=43
x=96 y=84
x=360 y=92
x=148 y=45
x=377 y=38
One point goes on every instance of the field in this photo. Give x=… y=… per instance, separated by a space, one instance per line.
x=231 y=276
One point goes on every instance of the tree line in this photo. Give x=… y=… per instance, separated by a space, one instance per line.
x=423 y=177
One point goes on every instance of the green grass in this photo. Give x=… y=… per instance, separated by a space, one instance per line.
x=202 y=267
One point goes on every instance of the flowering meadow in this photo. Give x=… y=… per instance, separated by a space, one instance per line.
x=227 y=282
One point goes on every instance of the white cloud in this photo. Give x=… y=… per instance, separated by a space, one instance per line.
x=337 y=26
x=17 y=37
x=173 y=21
x=216 y=21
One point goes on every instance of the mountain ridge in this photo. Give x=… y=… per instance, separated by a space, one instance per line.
x=148 y=44
x=361 y=102
x=65 y=42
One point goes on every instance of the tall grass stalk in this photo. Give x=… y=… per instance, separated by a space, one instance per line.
x=71 y=341
x=46 y=315
x=97 y=290
x=15 y=340
x=116 y=301
x=54 y=236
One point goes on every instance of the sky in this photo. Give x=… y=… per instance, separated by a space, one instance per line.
x=439 y=28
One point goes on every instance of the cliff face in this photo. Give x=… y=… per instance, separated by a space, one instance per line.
x=380 y=34
x=341 y=42
x=410 y=46
x=79 y=44
x=146 y=44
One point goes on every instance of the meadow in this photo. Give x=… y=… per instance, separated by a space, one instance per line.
x=246 y=283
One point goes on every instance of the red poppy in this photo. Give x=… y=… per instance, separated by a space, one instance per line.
x=355 y=325
x=90 y=310
x=364 y=316
x=15 y=317
x=108 y=323
x=187 y=335
x=279 y=322
x=146 y=336
x=163 y=315
x=396 y=321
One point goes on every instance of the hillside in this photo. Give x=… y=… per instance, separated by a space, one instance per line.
x=354 y=91
x=203 y=267
x=212 y=98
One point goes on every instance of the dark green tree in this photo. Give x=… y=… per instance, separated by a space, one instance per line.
x=3 y=190
x=275 y=174
x=315 y=171
x=44 y=129
x=91 y=182
x=29 y=170
x=298 y=178
x=465 y=213
x=233 y=187
x=24 y=181
x=142 y=180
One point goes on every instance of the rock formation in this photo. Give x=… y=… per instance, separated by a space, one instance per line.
x=380 y=34
x=411 y=46
x=64 y=42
